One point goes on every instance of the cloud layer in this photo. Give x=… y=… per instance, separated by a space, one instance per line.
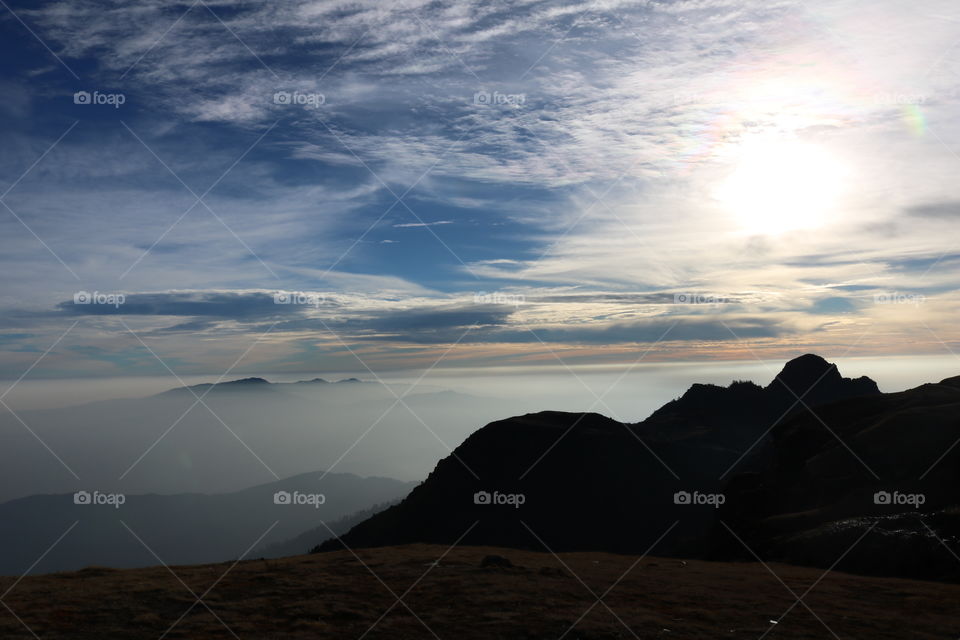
x=512 y=177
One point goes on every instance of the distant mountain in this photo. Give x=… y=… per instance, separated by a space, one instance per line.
x=586 y=482
x=253 y=384
x=180 y=529
x=244 y=433
x=309 y=541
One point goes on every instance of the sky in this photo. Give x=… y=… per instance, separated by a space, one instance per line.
x=193 y=188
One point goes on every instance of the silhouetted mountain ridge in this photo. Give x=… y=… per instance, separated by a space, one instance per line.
x=808 y=379
x=787 y=465
x=813 y=380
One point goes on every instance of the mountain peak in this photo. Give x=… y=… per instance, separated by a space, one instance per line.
x=951 y=382
x=819 y=380
x=243 y=381
x=805 y=371
x=243 y=384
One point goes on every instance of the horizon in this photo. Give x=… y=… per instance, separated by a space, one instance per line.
x=668 y=380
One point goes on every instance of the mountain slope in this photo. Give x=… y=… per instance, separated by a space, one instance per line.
x=891 y=463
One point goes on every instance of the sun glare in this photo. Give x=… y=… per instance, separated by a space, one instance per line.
x=782 y=186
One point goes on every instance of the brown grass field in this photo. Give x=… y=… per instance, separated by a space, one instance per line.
x=335 y=595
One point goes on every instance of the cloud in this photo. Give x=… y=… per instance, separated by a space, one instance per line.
x=566 y=154
x=937 y=210
x=835 y=305
x=421 y=224
x=238 y=306
x=632 y=333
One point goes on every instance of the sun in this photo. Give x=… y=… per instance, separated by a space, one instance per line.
x=780 y=186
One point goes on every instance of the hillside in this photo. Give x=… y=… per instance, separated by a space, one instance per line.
x=820 y=490
x=333 y=595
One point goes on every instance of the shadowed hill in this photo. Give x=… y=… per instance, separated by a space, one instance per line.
x=583 y=481
x=891 y=463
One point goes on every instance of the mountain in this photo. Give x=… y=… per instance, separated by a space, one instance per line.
x=727 y=412
x=244 y=385
x=179 y=529
x=586 y=482
x=886 y=467
x=251 y=384
x=813 y=380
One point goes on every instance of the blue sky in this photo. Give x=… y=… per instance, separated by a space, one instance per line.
x=490 y=182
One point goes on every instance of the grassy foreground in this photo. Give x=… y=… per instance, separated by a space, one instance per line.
x=335 y=595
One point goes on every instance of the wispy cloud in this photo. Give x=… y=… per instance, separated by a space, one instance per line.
x=564 y=154
x=406 y=225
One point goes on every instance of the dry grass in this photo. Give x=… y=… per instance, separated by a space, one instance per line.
x=335 y=596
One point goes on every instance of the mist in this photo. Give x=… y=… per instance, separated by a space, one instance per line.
x=134 y=435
